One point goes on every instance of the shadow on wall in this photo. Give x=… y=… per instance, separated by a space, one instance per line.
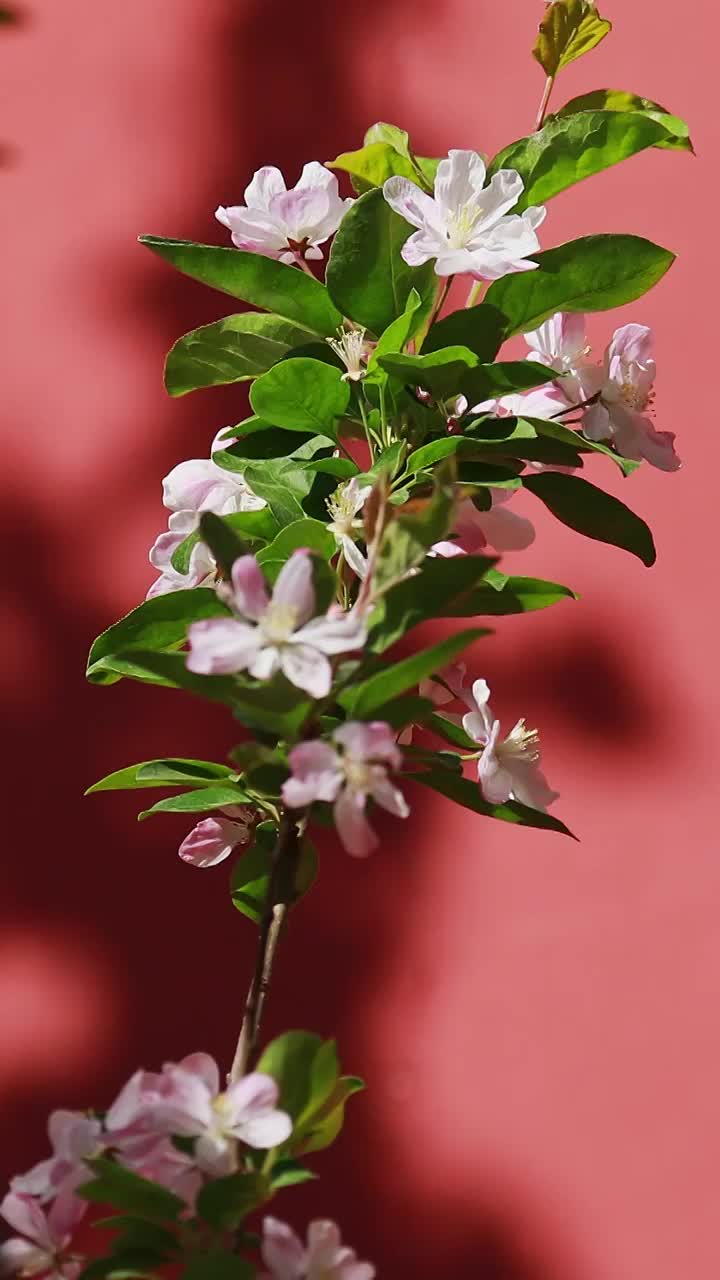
x=168 y=960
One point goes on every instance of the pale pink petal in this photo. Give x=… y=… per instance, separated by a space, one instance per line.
x=211 y=841
x=252 y=1092
x=186 y=1106
x=324 y=1242
x=21 y=1258
x=316 y=774
x=369 y=740
x=250 y=595
x=459 y=180
x=389 y=797
x=265 y=183
x=448 y=549
x=25 y=1216
x=420 y=248
x=530 y=786
x=265 y=663
x=221 y=646
x=502 y=193
x=352 y=826
x=204 y=1067
x=189 y=484
x=307 y=668
x=596 y=423
x=215 y=1154
x=342 y=634
x=264 y=1131
x=354 y=557
x=414 y=205
x=506 y=531
x=282 y=1251
x=496 y=782
x=66 y=1212
x=294 y=587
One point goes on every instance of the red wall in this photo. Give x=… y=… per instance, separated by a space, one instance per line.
x=538 y=1020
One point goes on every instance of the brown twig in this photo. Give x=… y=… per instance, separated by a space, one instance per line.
x=280 y=893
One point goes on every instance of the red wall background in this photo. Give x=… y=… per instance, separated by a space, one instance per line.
x=539 y=1021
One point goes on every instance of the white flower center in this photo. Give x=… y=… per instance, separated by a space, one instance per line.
x=460 y=225
x=521 y=744
x=358 y=774
x=341 y=507
x=278 y=622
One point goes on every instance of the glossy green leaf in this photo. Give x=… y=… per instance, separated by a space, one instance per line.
x=169 y=670
x=305 y=1069
x=468 y=794
x=115 y=1185
x=301 y=395
x=373 y=164
x=454 y=370
x=395 y=337
x=591 y=511
x=595 y=273
x=159 y=623
x=561 y=434
x=284 y=483
x=310 y=534
x=571 y=148
x=480 y=329
x=569 y=28
x=678 y=138
x=322 y=1127
x=366 y=276
x=170 y=772
x=230 y=350
x=433 y=592
x=499 y=594
x=224 y=1202
x=261 y=281
x=204 y=800
x=362 y=700
x=487 y=381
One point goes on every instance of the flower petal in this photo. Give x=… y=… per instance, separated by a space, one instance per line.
x=413 y=204
x=353 y=828
x=205 y=1068
x=211 y=841
x=250 y=595
x=282 y=1251
x=294 y=586
x=265 y=183
x=317 y=774
x=221 y=646
x=307 y=668
x=341 y=634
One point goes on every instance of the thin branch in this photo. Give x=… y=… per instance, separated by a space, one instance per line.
x=280 y=893
x=544 y=102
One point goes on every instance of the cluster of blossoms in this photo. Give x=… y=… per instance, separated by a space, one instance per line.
x=182 y=1101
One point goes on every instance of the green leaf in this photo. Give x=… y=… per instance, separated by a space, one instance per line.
x=566 y=436
x=362 y=700
x=595 y=273
x=170 y=772
x=261 y=281
x=170 y=671
x=373 y=164
x=251 y=874
x=431 y=593
x=428 y=454
x=480 y=329
x=310 y=534
x=223 y=541
x=571 y=148
x=230 y=350
x=341 y=468
x=201 y=801
x=273 y=708
x=452 y=370
x=115 y=1185
x=469 y=795
x=305 y=1069
x=366 y=276
x=322 y=1127
x=394 y=338
x=284 y=483
x=301 y=395
x=224 y=1202
x=599 y=515
x=218 y=1264
x=618 y=100
x=487 y=381
x=499 y=595
x=160 y=623
x=569 y=29
x=290 y=1173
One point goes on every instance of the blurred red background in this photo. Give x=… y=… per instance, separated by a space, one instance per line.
x=538 y=1021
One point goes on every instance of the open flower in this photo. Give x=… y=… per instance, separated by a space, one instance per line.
x=212 y=840
x=344 y=505
x=185 y=1100
x=347 y=778
x=43 y=1238
x=289 y=225
x=507 y=769
x=274 y=634
x=497 y=528
x=465 y=226
x=74 y=1137
x=159 y=1160
x=324 y=1257
x=625 y=385
x=622 y=387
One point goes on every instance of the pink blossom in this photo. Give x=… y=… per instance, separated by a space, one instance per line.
x=185 y=1100
x=74 y=1137
x=275 y=634
x=625 y=385
x=212 y=840
x=497 y=528
x=347 y=778
x=42 y=1239
x=289 y=225
x=622 y=386
x=159 y=1160
x=446 y=685
x=324 y=1257
x=508 y=769
x=464 y=226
